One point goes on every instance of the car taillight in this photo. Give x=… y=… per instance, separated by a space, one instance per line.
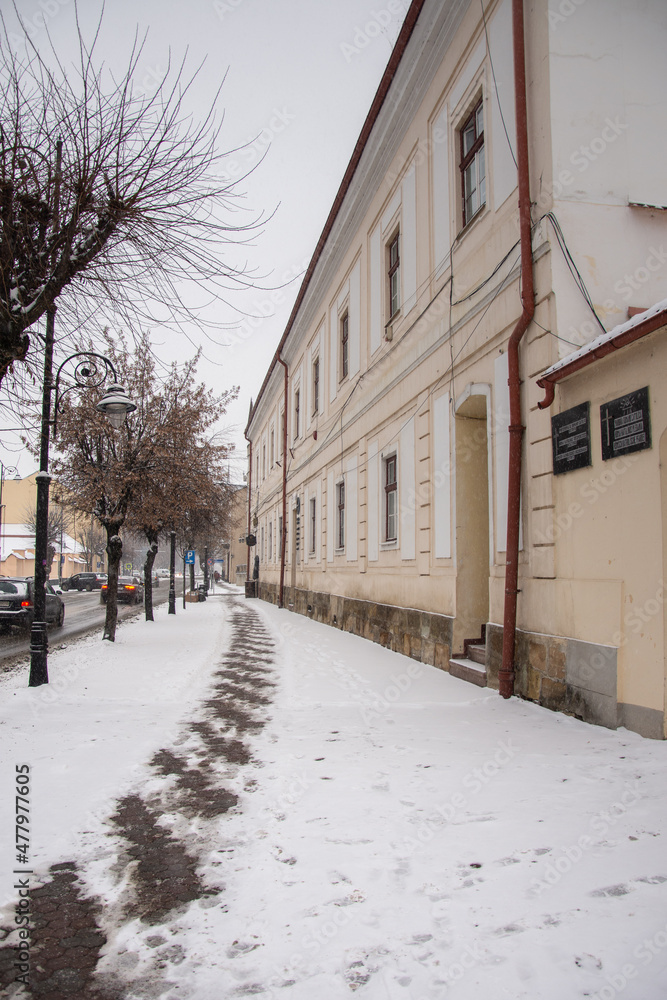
x=26 y=604
x=129 y=586
x=104 y=586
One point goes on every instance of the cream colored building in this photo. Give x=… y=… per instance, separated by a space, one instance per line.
x=390 y=382
x=17 y=541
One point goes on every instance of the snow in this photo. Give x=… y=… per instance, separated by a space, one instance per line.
x=400 y=833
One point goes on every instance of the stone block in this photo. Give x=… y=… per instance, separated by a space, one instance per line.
x=537 y=655
x=443 y=653
x=428 y=652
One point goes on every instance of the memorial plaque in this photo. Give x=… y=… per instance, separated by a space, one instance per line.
x=571 y=439
x=625 y=424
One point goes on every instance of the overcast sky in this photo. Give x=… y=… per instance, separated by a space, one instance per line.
x=300 y=78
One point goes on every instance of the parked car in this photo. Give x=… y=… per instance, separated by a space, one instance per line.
x=130 y=591
x=85 y=581
x=17 y=604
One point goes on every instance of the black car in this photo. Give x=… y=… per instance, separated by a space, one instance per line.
x=85 y=581
x=17 y=604
x=130 y=590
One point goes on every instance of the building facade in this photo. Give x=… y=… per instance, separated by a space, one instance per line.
x=383 y=443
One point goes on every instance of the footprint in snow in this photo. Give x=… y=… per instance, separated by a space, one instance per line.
x=612 y=890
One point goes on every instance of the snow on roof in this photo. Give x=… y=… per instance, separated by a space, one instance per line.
x=604 y=338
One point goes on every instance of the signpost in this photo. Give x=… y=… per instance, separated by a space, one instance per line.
x=188 y=560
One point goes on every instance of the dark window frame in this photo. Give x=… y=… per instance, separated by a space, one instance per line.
x=340 y=515
x=316 y=385
x=394 y=274
x=345 y=344
x=313 y=524
x=470 y=157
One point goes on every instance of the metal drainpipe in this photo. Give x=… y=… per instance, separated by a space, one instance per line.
x=281 y=595
x=247 y=569
x=506 y=676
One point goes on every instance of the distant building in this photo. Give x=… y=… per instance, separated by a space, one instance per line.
x=17 y=540
x=407 y=510
x=237 y=554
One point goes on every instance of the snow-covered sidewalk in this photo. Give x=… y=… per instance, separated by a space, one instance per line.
x=399 y=833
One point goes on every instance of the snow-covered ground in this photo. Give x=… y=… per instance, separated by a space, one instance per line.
x=400 y=833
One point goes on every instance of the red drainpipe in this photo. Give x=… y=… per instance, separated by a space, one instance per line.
x=284 y=531
x=247 y=571
x=506 y=676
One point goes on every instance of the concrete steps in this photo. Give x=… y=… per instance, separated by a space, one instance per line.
x=468 y=669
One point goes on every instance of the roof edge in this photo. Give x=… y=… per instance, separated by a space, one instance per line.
x=380 y=95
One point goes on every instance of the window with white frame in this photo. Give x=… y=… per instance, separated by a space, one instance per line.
x=261 y=547
x=263 y=461
x=340 y=515
x=280 y=538
x=390 y=499
x=472 y=163
x=272 y=450
x=393 y=275
x=271 y=541
x=297 y=412
x=312 y=519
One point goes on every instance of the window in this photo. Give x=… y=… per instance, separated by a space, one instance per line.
x=473 y=170
x=297 y=412
x=261 y=547
x=344 y=344
x=390 y=500
x=340 y=515
x=316 y=386
x=263 y=461
x=280 y=537
x=313 y=522
x=270 y=541
x=282 y=430
x=272 y=453
x=394 y=274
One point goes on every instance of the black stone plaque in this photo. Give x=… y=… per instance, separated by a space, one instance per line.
x=571 y=439
x=625 y=424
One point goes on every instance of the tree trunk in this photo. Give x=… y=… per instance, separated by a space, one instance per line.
x=152 y=536
x=114 y=552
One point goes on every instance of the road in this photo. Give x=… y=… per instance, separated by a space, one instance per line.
x=83 y=613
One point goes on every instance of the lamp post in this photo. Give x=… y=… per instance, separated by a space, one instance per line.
x=172 y=573
x=90 y=371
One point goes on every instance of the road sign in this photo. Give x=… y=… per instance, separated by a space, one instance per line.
x=190 y=557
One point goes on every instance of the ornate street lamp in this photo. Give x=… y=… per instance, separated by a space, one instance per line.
x=90 y=371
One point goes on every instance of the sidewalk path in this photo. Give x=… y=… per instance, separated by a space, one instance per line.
x=336 y=819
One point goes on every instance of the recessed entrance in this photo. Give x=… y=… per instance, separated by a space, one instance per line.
x=472 y=520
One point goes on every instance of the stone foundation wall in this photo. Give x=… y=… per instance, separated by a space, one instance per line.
x=566 y=675
x=421 y=635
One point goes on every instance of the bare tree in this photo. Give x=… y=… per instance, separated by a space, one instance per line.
x=56 y=527
x=108 y=200
x=155 y=468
